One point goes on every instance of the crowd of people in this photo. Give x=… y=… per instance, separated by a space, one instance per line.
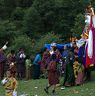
x=51 y=64
x=14 y=62
x=72 y=62
x=68 y=63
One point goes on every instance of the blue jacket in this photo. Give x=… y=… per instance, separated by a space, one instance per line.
x=37 y=59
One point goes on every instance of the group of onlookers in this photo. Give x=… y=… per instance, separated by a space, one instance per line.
x=51 y=64
x=68 y=62
x=19 y=63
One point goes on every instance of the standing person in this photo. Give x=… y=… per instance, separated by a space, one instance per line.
x=90 y=31
x=11 y=57
x=11 y=60
x=76 y=50
x=73 y=46
x=69 y=78
x=2 y=60
x=58 y=59
x=36 y=65
x=78 y=72
x=53 y=48
x=81 y=53
x=58 y=54
x=65 y=54
x=45 y=61
x=28 y=64
x=20 y=63
x=52 y=75
x=10 y=84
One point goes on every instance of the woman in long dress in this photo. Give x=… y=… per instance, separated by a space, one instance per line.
x=78 y=72
x=69 y=78
x=52 y=75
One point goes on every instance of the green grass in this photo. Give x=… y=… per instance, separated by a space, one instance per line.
x=28 y=87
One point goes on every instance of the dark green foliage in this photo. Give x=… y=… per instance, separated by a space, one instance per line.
x=24 y=3
x=44 y=39
x=7 y=31
x=29 y=21
x=79 y=25
x=21 y=42
x=32 y=24
x=18 y=14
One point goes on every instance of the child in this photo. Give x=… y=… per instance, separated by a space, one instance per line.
x=78 y=71
x=10 y=84
x=28 y=67
x=12 y=67
x=52 y=75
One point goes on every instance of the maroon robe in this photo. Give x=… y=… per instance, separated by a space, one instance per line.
x=52 y=74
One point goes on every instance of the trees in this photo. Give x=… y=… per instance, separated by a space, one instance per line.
x=79 y=25
x=22 y=41
x=48 y=38
x=7 y=31
x=32 y=24
x=33 y=19
x=24 y=3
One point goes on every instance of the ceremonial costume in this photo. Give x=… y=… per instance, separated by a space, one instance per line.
x=10 y=85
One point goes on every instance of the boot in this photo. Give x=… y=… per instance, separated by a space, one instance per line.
x=46 y=90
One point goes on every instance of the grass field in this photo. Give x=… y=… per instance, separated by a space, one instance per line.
x=33 y=87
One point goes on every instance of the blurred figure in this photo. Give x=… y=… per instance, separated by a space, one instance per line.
x=53 y=47
x=28 y=65
x=20 y=63
x=36 y=65
x=76 y=50
x=11 y=57
x=65 y=54
x=69 y=78
x=45 y=62
x=52 y=75
x=78 y=72
x=58 y=61
x=11 y=60
x=2 y=60
x=10 y=84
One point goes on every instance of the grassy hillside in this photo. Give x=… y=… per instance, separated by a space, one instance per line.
x=33 y=87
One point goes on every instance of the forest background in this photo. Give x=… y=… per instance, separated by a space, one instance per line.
x=32 y=23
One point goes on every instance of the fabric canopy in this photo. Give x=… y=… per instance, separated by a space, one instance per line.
x=59 y=46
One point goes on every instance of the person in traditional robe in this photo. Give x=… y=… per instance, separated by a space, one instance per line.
x=76 y=51
x=91 y=42
x=89 y=37
x=52 y=75
x=3 y=60
x=11 y=60
x=37 y=65
x=53 y=47
x=69 y=78
x=91 y=34
x=65 y=54
x=58 y=59
x=10 y=84
x=20 y=63
x=28 y=65
x=45 y=62
x=81 y=53
x=11 y=57
x=78 y=72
